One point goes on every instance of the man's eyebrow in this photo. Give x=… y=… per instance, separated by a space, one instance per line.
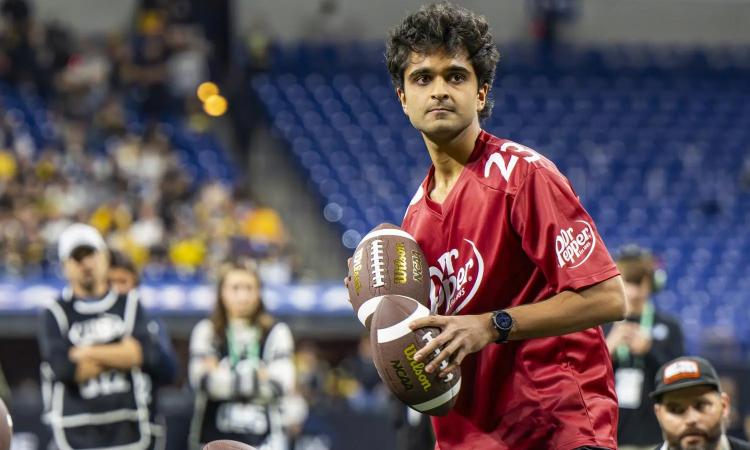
x=419 y=72
x=454 y=68
x=457 y=68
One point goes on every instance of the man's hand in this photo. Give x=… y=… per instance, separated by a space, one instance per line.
x=348 y=278
x=640 y=343
x=460 y=336
x=86 y=369
x=210 y=363
x=620 y=334
x=122 y=355
x=79 y=353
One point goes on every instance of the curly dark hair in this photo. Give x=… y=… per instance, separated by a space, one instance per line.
x=448 y=27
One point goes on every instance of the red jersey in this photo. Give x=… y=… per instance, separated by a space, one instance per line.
x=512 y=231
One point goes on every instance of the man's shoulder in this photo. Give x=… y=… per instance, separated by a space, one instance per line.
x=505 y=164
x=738 y=444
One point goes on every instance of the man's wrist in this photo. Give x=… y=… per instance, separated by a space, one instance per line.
x=503 y=324
x=494 y=332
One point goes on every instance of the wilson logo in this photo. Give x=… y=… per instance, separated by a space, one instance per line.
x=417 y=368
x=356 y=269
x=400 y=276
x=574 y=245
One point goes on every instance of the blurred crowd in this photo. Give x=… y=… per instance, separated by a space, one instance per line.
x=327 y=382
x=86 y=126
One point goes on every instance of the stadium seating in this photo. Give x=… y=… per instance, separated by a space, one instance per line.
x=654 y=139
x=200 y=153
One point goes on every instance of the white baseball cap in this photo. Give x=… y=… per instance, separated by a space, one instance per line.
x=79 y=235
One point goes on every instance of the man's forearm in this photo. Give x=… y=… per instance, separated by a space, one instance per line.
x=122 y=355
x=569 y=311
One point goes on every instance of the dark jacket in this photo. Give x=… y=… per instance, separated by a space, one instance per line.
x=639 y=426
x=113 y=409
x=734 y=444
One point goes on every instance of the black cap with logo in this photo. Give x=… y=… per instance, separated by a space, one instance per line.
x=684 y=372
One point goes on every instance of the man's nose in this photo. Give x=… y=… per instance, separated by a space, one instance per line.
x=439 y=89
x=692 y=416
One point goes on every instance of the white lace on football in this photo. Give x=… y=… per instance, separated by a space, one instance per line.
x=377 y=263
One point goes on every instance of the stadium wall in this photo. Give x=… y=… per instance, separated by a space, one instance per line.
x=707 y=22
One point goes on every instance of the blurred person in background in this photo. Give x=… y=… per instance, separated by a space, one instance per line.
x=737 y=421
x=360 y=380
x=242 y=370
x=639 y=345
x=692 y=408
x=124 y=277
x=99 y=354
x=413 y=429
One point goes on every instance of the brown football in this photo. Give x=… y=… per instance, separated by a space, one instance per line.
x=6 y=427
x=388 y=261
x=394 y=345
x=227 y=445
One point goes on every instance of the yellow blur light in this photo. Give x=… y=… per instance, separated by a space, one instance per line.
x=215 y=105
x=206 y=90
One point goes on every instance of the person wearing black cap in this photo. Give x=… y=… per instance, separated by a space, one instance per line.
x=692 y=408
x=639 y=345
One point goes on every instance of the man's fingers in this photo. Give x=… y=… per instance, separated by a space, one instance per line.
x=424 y=353
x=429 y=321
x=455 y=362
x=444 y=355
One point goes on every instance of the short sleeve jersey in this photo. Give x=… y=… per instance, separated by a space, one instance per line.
x=512 y=231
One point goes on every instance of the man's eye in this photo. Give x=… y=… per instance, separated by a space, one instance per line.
x=458 y=77
x=422 y=80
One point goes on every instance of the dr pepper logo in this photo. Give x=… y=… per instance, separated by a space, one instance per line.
x=575 y=244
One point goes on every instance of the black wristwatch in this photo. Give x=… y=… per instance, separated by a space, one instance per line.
x=503 y=323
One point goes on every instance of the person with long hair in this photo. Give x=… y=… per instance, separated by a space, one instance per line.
x=241 y=368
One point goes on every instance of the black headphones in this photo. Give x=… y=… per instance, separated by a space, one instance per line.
x=657 y=273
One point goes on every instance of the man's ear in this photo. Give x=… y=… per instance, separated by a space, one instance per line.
x=726 y=405
x=402 y=98
x=482 y=96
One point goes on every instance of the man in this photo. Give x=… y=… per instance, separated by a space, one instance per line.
x=98 y=354
x=691 y=407
x=520 y=276
x=639 y=346
x=124 y=277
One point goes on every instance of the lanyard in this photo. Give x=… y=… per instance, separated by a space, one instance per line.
x=647 y=323
x=250 y=350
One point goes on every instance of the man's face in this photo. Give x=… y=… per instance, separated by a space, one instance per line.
x=692 y=418
x=86 y=268
x=441 y=94
x=122 y=280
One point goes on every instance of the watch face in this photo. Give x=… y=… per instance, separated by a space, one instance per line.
x=504 y=321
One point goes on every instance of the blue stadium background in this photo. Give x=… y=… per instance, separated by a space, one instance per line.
x=654 y=136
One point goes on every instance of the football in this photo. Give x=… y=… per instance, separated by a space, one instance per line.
x=388 y=261
x=394 y=345
x=227 y=445
x=6 y=427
